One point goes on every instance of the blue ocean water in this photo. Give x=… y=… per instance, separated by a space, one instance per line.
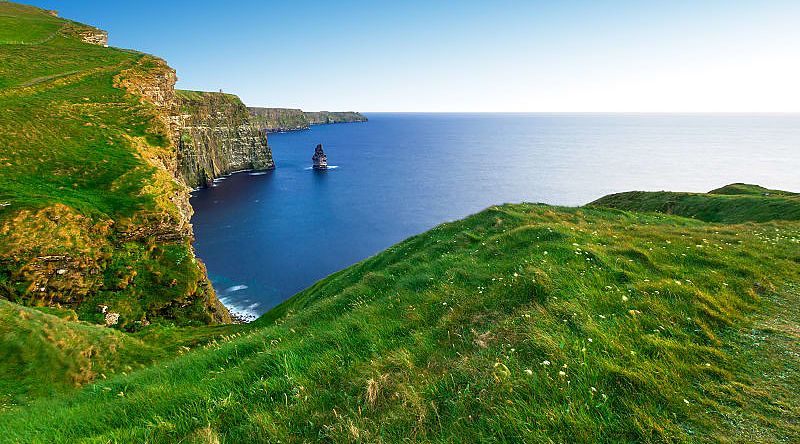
x=266 y=236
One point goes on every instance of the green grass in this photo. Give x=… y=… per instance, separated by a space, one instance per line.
x=79 y=180
x=734 y=203
x=20 y=24
x=47 y=351
x=666 y=329
x=523 y=323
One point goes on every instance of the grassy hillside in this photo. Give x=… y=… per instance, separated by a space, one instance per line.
x=46 y=351
x=90 y=214
x=734 y=203
x=521 y=323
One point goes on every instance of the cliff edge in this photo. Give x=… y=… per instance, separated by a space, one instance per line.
x=292 y=119
x=216 y=136
x=92 y=217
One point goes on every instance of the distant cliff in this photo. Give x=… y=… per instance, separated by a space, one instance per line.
x=217 y=136
x=325 y=117
x=290 y=119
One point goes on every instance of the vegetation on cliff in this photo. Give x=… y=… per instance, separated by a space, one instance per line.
x=521 y=323
x=90 y=213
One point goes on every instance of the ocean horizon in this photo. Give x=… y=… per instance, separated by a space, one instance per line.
x=272 y=235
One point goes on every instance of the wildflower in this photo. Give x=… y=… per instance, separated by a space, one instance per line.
x=528 y=371
x=545 y=362
x=561 y=373
x=590 y=339
x=685 y=401
x=593 y=390
x=624 y=299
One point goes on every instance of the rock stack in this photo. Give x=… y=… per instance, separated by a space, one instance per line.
x=319 y=158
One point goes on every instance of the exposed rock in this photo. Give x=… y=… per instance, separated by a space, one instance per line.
x=111 y=319
x=279 y=119
x=319 y=158
x=289 y=119
x=86 y=34
x=139 y=264
x=217 y=137
x=328 y=117
x=96 y=37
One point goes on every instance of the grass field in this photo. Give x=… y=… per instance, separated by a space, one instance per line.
x=522 y=323
x=643 y=317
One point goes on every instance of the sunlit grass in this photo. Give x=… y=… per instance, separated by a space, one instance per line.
x=521 y=323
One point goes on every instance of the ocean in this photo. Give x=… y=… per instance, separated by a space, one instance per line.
x=265 y=236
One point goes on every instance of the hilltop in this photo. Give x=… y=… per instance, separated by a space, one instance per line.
x=735 y=203
x=523 y=322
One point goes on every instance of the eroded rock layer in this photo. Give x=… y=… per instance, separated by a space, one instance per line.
x=216 y=137
x=92 y=217
x=291 y=119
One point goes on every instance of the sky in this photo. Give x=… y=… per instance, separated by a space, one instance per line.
x=471 y=56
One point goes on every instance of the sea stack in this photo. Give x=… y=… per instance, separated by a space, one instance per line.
x=319 y=158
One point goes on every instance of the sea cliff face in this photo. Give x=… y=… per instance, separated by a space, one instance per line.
x=290 y=119
x=92 y=217
x=327 y=117
x=216 y=136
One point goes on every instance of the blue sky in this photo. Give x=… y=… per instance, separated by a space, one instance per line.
x=463 y=55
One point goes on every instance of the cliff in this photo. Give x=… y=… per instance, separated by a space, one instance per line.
x=279 y=119
x=91 y=215
x=216 y=137
x=289 y=119
x=327 y=117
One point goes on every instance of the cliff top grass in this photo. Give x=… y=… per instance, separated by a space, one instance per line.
x=204 y=105
x=66 y=132
x=521 y=323
x=735 y=203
